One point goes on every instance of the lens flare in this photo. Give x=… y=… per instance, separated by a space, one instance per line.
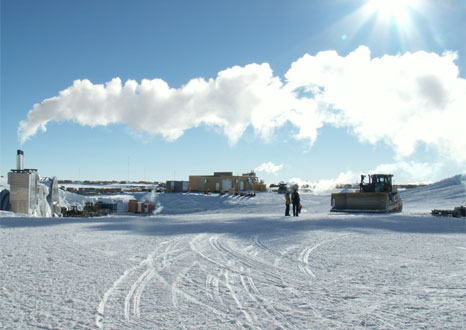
x=392 y=9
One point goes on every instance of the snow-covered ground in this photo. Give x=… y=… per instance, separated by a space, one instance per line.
x=222 y=262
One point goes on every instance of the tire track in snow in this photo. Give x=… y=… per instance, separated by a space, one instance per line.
x=211 y=280
x=266 y=307
x=226 y=270
x=279 y=258
x=304 y=258
x=219 y=249
x=208 y=285
x=235 y=297
x=225 y=273
x=139 y=285
x=195 y=249
x=99 y=318
x=283 y=257
x=174 y=287
x=247 y=261
x=212 y=284
x=249 y=286
x=135 y=293
x=306 y=252
x=255 y=295
x=147 y=262
x=192 y=299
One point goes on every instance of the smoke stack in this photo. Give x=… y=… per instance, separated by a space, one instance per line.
x=20 y=160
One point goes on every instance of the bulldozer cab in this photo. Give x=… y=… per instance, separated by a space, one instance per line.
x=377 y=183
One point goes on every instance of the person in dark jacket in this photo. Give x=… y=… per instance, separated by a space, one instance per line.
x=287 y=204
x=296 y=201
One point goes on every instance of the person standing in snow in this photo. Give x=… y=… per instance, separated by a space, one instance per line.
x=287 y=204
x=295 y=200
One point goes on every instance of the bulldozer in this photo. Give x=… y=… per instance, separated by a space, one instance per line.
x=376 y=196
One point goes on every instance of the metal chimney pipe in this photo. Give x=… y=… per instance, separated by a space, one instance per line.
x=20 y=160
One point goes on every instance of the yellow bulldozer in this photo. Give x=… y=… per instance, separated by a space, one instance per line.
x=376 y=196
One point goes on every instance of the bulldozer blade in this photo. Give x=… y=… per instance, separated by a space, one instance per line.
x=367 y=202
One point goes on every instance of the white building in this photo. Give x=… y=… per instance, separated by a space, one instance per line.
x=24 y=188
x=28 y=195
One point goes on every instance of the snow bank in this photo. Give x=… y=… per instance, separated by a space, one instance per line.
x=4 y=183
x=445 y=194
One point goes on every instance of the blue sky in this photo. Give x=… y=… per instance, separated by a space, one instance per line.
x=235 y=90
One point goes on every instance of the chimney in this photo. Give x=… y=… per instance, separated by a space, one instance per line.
x=20 y=160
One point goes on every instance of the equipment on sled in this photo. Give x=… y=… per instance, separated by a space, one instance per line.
x=457 y=212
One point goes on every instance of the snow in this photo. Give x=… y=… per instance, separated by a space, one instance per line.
x=4 y=183
x=232 y=262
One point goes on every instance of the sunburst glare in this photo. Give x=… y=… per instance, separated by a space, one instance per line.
x=398 y=10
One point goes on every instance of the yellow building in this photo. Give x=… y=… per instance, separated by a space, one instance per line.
x=226 y=182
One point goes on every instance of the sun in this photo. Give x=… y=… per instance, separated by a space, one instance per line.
x=385 y=22
x=397 y=10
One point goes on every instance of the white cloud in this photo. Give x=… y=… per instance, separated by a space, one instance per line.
x=402 y=100
x=326 y=185
x=239 y=97
x=269 y=168
x=418 y=172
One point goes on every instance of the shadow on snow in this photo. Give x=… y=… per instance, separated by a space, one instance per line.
x=166 y=225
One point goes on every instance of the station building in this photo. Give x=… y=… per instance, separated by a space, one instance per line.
x=226 y=182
